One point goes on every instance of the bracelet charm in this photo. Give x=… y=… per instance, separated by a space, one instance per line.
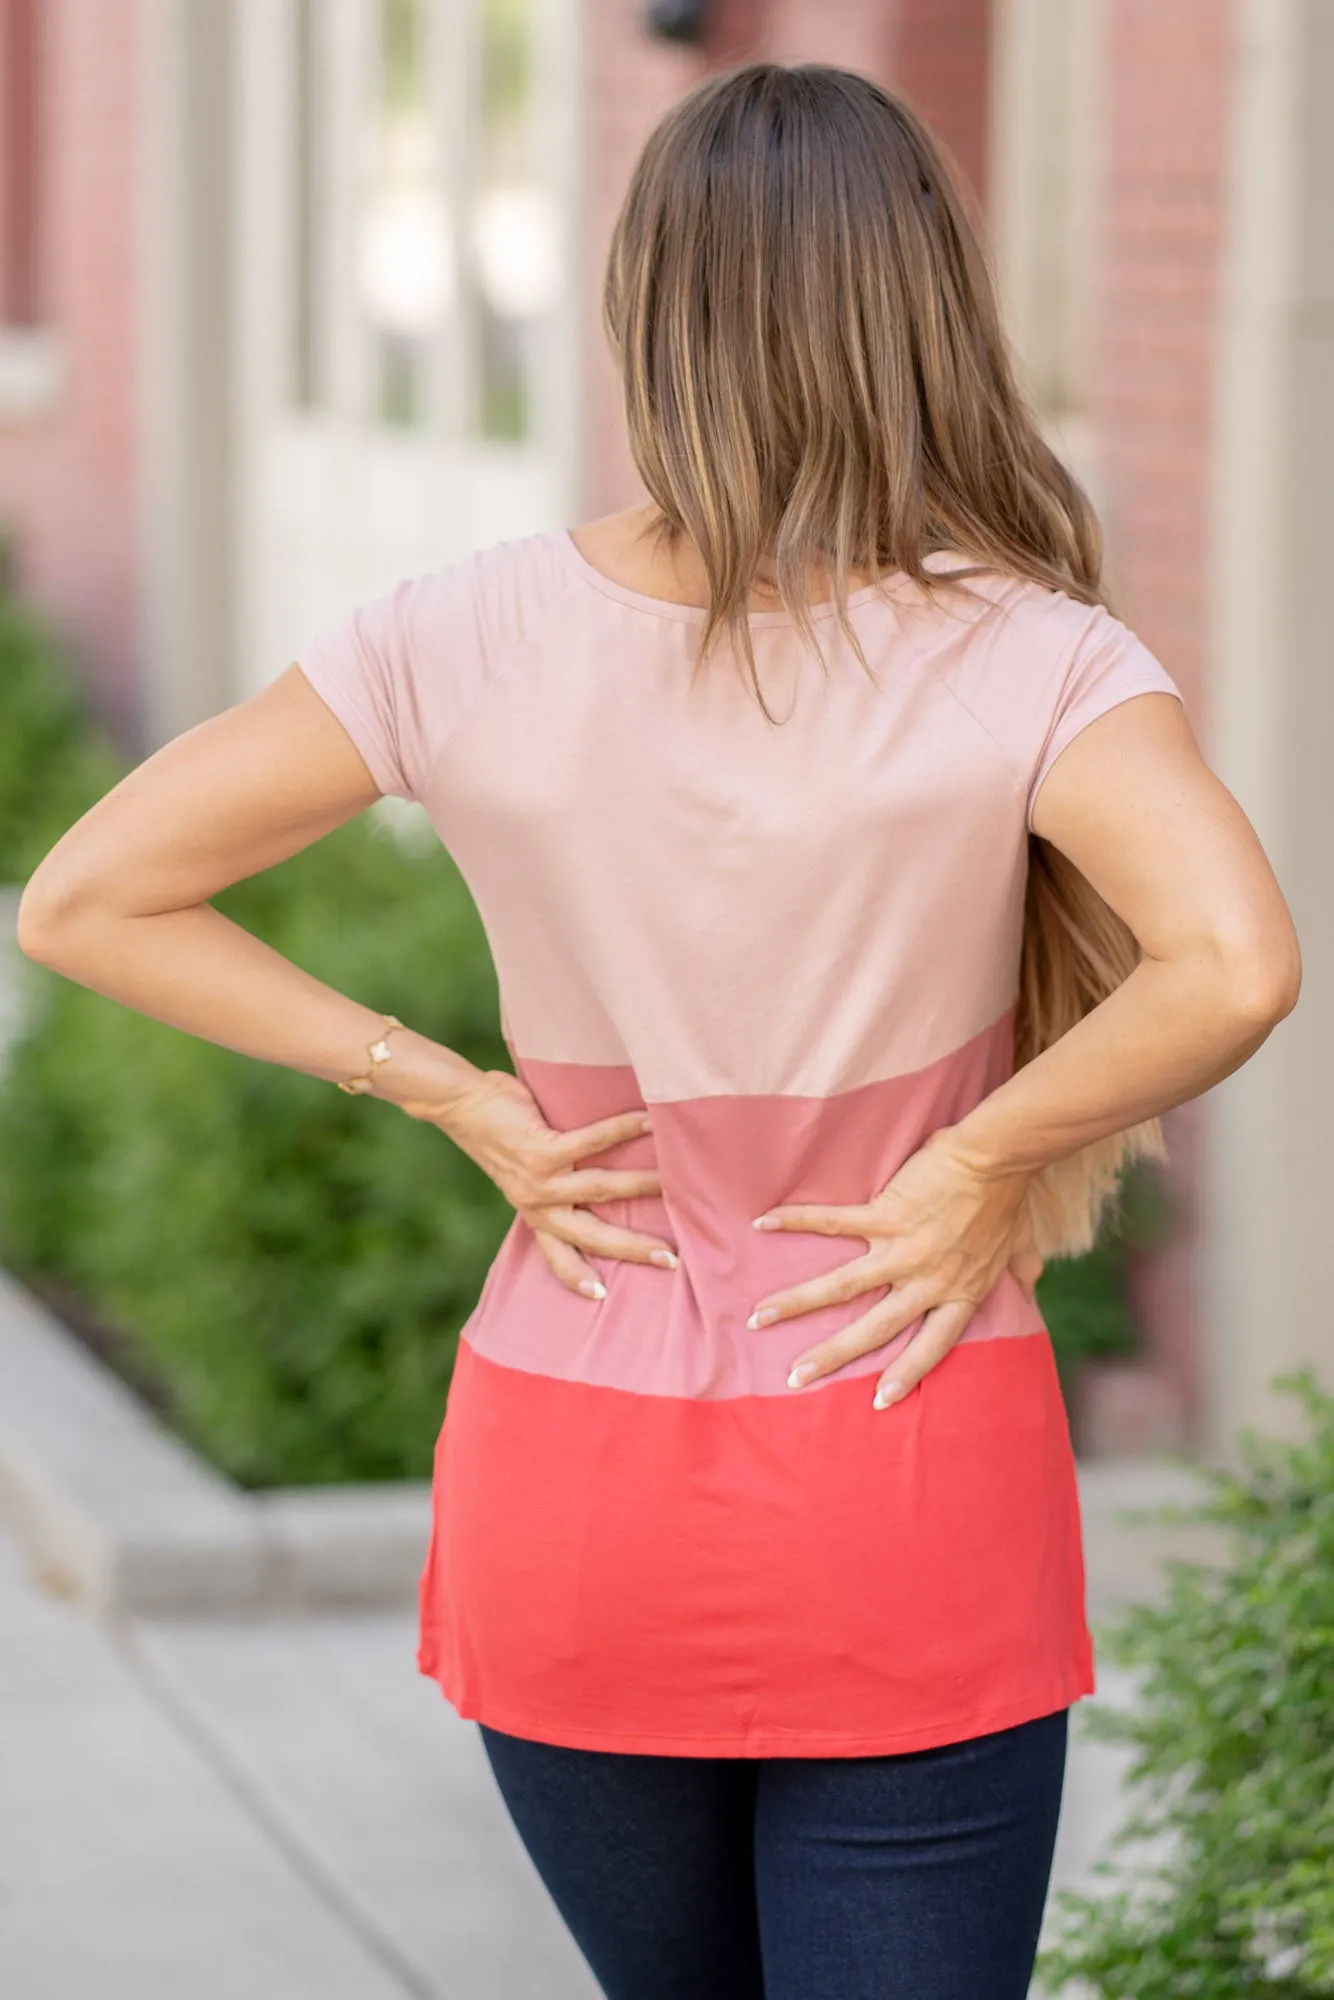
x=379 y=1053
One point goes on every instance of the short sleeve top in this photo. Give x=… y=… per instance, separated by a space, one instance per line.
x=796 y=939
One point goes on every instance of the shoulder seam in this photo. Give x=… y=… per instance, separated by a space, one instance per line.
x=975 y=719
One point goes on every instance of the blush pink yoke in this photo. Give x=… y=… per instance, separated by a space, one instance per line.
x=798 y=944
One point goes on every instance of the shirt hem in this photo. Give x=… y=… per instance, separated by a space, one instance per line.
x=1071 y=727
x=770 y=1741
x=346 y=709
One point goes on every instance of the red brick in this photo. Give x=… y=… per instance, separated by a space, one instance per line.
x=68 y=480
x=1169 y=73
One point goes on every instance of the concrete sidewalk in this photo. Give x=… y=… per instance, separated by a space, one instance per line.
x=281 y=1809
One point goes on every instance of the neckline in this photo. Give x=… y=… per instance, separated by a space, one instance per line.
x=695 y=614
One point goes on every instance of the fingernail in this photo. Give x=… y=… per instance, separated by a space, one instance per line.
x=801 y=1375
x=592 y=1288
x=667 y=1259
x=887 y=1393
x=765 y=1222
x=765 y=1317
x=646 y=1123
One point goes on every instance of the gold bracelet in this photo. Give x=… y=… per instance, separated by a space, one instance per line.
x=379 y=1053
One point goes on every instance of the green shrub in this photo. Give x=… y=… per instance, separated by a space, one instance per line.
x=1232 y=1727
x=285 y=1267
x=1086 y=1300
x=53 y=762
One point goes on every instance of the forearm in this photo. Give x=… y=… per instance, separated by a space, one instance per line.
x=1169 y=1032
x=196 y=970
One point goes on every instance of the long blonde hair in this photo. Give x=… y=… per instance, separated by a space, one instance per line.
x=815 y=376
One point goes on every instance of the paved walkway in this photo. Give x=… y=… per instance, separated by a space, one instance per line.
x=284 y=1810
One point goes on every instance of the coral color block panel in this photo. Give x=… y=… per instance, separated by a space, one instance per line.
x=620 y=1572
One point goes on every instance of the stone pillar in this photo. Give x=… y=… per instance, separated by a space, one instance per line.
x=185 y=363
x=1045 y=181
x=1270 y=1173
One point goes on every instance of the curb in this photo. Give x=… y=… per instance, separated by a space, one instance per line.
x=114 y=1511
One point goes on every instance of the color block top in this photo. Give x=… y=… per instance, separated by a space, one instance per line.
x=798 y=944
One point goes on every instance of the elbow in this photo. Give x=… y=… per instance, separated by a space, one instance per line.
x=37 y=925
x=49 y=916
x=1263 y=980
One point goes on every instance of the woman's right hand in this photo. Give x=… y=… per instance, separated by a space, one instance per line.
x=498 y=1124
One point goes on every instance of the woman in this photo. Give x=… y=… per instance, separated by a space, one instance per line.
x=859 y=899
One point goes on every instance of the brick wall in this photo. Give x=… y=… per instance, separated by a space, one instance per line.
x=67 y=479
x=1168 y=130
x=938 y=56
x=1169 y=71
x=20 y=279
x=855 y=34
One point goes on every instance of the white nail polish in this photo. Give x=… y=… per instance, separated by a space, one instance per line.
x=665 y=1258
x=887 y=1393
x=799 y=1377
x=592 y=1288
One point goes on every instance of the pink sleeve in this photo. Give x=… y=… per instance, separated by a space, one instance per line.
x=365 y=668
x=1108 y=665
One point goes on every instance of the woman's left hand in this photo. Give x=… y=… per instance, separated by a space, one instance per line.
x=940 y=1234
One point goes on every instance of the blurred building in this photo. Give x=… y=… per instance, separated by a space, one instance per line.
x=298 y=296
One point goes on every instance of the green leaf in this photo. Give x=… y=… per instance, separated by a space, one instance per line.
x=1231 y=1734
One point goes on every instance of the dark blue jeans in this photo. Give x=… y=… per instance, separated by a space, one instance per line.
x=920 y=1876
